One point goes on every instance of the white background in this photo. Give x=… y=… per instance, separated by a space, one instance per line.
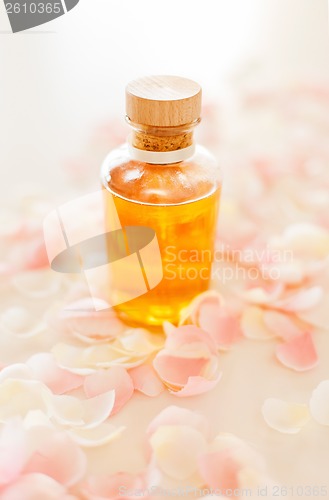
x=60 y=80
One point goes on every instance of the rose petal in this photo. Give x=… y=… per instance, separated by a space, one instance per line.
x=97 y=436
x=140 y=342
x=299 y=353
x=258 y=295
x=114 y=487
x=146 y=381
x=189 y=334
x=253 y=325
x=81 y=319
x=193 y=309
x=175 y=415
x=19 y=322
x=175 y=371
x=318 y=315
x=37 y=284
x=301 y=301
x=176 y=449
x=18 y=397
x=225 y=460
x=168 y=328
x=115 y=378
x=13 y=451
x=33 y=486
x=288 y=418
x=16 y=371
x=307 y=239
x=46 y=370
x=281 y=325
x=196 y=385
x=59 y=458
x=86 y=360
x=319 y=403
x=220 y=470
x=70 y=357
x=88 y=413
x=220 y=324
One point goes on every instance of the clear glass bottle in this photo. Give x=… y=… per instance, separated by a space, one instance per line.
x=162 y=180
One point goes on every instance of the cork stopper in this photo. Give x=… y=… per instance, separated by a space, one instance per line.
x=163 y=101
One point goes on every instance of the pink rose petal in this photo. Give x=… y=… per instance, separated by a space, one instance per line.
x=219 y=470
x=188 y=334
x=206 y=298
x=116 y=378
x=81 y=319
x=175 y=450
x=196 y=385
x=45 y=369
x=60 y=458
x=189 y=352
x=176 y=371
x=35 y=486
x=299 y=353
x=301 y=301
x=222 y=326
x=175 y=415
x=114 y=487
x=318 y=315
x=261 y=296
x=282 y=325
x=253 y=325
x=13 y=451
x=145 y=380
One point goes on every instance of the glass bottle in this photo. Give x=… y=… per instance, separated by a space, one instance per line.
x=161 y=180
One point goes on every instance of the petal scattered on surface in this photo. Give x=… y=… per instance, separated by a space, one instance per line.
x=220 y=323
x=87 y=413
x=146 y=380
x=45 y=369
x=114 y=487
x=298 y=353
x=288 y=418
x=18 y=321
x=318 y=315
x=281 y=325
x=220 y=470
x=195 y=386
x=81 y=319
x=189 y=361
x=175 y=415
x=176 y=450
x=37 y=284
x=59 y=457
x=253 y=325
x=35 y=486
x=115 y=378
x=319 y=403
x=258 y=295
x=97 y=436
x=301 y=301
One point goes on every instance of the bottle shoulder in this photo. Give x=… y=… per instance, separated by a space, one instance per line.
x=187 y=180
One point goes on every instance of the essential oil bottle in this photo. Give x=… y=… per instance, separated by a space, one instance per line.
x=161 y=179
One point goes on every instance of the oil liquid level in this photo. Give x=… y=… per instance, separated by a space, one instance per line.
x=186 y=237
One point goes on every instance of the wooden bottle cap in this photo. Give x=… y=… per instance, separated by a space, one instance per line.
x=163 y=101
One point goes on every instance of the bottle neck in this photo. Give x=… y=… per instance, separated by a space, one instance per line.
x=162 y=139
